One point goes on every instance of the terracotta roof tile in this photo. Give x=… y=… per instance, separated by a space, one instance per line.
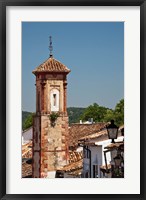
x=26 y=155
x=99 y=135
x=75 y=161
x=27 y=150
x=78 y=131
x=26 y=170
x=51 y=65
x=95 y=135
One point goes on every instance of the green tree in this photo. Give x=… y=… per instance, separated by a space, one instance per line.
x=119 y=113
x=28 y=122
x=103 y=114
x=109 y=115
x=74 y=114
x=94 y=111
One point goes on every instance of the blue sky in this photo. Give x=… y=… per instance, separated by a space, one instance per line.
x=94 y=51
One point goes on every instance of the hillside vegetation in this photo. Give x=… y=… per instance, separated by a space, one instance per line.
x=98 y=113
x=74 y=114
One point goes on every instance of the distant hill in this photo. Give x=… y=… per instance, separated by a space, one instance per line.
x=95 y=111
x=25 y=117
x=74 y=114
x=25 y=114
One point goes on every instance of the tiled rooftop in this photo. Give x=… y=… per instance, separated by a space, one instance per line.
x=95 y=135
x=27 y=150
x=51 y=65
x=100 y=135
x=78 y=131
x=26 y=170
x=26 y=155
x=75 y=166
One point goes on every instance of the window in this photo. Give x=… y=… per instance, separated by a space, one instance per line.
x=54 y=99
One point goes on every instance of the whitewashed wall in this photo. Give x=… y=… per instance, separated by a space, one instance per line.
x=97 y=156
x=27 y=135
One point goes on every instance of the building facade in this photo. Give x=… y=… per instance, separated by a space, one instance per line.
x=50 y=124
x=96 y=154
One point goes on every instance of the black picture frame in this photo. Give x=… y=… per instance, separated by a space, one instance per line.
x=3 y=117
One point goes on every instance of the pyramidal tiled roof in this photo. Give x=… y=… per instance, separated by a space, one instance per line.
x=51 y=65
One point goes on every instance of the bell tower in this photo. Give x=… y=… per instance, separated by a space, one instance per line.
x=50 y=124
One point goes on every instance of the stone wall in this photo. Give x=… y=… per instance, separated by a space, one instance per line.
x=50 y=142
x=53 y=148
x=36 y=147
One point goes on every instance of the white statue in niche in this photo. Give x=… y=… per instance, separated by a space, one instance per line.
x=54 y=99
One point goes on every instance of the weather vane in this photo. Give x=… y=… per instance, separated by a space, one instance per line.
x=50 y=46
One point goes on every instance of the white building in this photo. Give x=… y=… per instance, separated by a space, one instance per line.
x=93 y=154
x=27 y=136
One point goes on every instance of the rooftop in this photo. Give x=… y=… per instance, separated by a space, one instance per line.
x=79 y=131
x=51 y=65
x=99 y=135
x=26 y=155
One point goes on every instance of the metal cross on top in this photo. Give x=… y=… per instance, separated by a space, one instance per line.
x=50 y=46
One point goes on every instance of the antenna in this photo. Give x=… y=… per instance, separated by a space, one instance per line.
x=50 y=46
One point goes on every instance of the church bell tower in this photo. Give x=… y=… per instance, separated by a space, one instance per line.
x=50 y=124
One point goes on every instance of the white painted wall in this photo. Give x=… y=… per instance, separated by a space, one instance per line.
x=86 y=166
x=104 y=144
x=51 y=174
x=96 y=159
x=27 y=135
x=97 y=156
